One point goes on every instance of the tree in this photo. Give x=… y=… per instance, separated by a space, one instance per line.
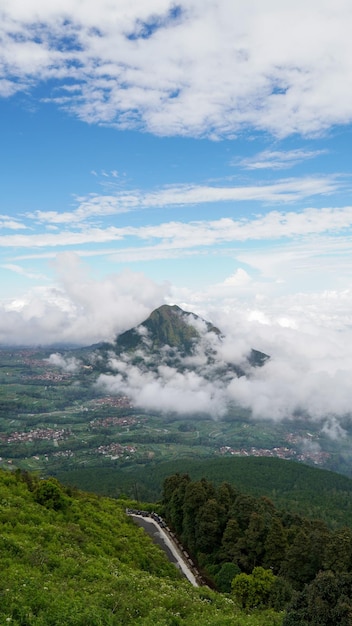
x=243 y=508
x=230 y=537
x=195 y=498
x=207 y=531
x=304 y=557
x=250 y=548
x=327 y=601
x=50 y=494
x=173 y=500
x=338 y=552
x=171 y=483
x=253 y=590
x=225 y=576
x=275 y=546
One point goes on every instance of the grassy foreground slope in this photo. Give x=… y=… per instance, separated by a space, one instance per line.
x=74 y=559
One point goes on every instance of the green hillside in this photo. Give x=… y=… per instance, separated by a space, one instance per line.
x=75 y=559
x=310 y=491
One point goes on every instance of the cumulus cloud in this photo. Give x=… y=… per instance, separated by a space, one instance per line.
x=167 y=390
x=68 y=364
x=165 y=68
x=174 y=381
x=307 y=376
x=79 y=309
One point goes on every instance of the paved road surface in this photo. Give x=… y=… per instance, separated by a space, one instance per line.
x=161 y=538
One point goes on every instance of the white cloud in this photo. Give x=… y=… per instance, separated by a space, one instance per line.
x=287 y=190
x=64 y=238
x=80 y=309
x=10 y=223
x=94 y=205
x=307 y=336
x=281 y=191
x=278 y=159
x=308 y=373
x=239 y=279
x=20 y=270
x=205 y=69
x=272 y=225
x=69 y=364
x=167 y=391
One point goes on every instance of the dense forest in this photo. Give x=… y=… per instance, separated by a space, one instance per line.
x=310 y=491
x=265 y=556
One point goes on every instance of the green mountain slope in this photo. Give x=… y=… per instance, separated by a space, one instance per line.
x=167 y=325
x=74 y=559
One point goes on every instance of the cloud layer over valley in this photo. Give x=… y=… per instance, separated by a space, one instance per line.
x=307 y=376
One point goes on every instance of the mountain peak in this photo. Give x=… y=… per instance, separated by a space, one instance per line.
x=172 y=344
x=168 y=325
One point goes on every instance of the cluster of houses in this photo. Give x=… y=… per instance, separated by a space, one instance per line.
x=106 y=422
x=316 y=455
x=117 y=401
x=115 y=450
x=45 y=434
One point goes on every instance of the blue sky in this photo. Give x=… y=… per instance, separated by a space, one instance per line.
x=195 y=153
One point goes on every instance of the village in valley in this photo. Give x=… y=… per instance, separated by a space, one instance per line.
x=57 y=419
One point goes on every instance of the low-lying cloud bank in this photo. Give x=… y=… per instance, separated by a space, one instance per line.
x=308 y=375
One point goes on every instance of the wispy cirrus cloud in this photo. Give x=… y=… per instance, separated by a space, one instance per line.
x=277 y=159
x=18 y=269
x=274 y=225
x=64 y=238
x=91 y=206
x=280 y=191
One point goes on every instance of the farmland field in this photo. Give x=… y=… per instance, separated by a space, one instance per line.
x=55 y=422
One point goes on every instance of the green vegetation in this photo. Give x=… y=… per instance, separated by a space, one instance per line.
x=73 y=558
x=56 y=421
x=255 y=589
x=298 y=488
x=282 y=560
x=166 y=327
x=274 y=539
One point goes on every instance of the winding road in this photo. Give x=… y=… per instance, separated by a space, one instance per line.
x=162 y=539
